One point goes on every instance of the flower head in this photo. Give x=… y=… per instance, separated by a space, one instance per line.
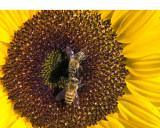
x=36 y=69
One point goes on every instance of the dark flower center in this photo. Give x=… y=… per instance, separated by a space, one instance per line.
x=56 y=69
x=37 y=68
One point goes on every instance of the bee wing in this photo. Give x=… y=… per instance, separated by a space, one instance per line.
x=84 y=50
x=61 y=95
x=69 y=52
x=76 y=100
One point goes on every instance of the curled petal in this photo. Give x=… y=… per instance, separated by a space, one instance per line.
x=143 y=46
x=144 y=67
x=139 y=111
x=115 y=120
x=147 y=88
x=136 y=24
x=118 y=17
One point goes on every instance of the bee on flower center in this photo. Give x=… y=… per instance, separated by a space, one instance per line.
x=70 y=93
x=75 y=60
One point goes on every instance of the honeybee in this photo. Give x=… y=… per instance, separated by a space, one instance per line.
x=70 y=93
x=75 y=60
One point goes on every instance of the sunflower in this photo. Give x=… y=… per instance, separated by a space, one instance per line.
x=120 y=76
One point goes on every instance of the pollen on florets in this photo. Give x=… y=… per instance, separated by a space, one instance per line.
x=33 y=74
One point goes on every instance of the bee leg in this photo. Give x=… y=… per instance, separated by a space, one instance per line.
x=81 y=78
x=71 y=75
x=84 y=57
x=76 y=100
x=80 y=85
x=80 y=68
x=77 y=72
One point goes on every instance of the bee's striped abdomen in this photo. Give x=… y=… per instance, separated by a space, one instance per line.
x=69 y=96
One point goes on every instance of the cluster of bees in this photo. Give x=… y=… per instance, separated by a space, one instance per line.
x=70 y=93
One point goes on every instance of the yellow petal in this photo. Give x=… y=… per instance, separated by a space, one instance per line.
x=29 y=125
x=104 y=123
x=4 y=27
x=20 y=123
x=144 y=67
x=7 y=115
x=3 y=50
x=23 y=15
x=111 y=123
x=115 y=120
x=117 y=17
x=33 y=12
x=96 y=126
x=3 y=55
x=139 y=111
x=144 y=45
x=106 y=14
x=8 y=21
x=4 y=35
x=1 y=74
x=141 y=30
x=12 y=20
x=2 y=61
x=147 y=88
x=136 y=24
x=13 y=15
